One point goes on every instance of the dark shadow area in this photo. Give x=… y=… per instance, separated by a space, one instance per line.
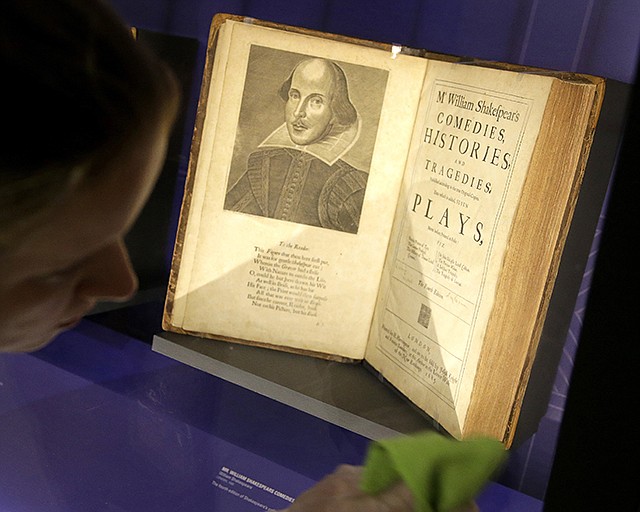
x=594 y=466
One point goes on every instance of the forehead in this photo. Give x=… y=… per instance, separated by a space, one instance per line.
x=313 y=75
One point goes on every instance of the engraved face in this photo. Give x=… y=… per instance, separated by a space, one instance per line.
x=308 y=112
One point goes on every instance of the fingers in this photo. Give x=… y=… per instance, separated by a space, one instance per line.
x=340 y=492
x=397 y=499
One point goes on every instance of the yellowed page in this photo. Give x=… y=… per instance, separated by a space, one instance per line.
x=476 y=131
x=285 y=282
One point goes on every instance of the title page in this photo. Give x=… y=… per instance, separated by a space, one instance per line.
x=474 y=139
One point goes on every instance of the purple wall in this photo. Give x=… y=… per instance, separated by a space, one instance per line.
x=574 y=35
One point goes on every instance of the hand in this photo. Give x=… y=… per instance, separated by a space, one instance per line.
x=340 y=492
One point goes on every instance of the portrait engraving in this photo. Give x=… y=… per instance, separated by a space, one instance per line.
x=306 y=133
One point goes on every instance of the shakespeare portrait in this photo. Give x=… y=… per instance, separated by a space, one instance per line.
x=300 y=171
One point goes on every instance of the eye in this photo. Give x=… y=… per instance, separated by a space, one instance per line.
x=59 y=276
x=293 y=94
x=317 y=102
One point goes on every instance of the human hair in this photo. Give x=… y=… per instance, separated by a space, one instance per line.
x=345 y=114
x=78 y=89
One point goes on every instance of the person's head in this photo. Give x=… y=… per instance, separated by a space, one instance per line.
x=88 y=112
x=316 y=101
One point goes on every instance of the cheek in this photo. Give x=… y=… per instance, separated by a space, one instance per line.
x=30 y=315
x=289 y=109
x=320 y=117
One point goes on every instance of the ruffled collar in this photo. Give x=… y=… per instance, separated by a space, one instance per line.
x=330 y=149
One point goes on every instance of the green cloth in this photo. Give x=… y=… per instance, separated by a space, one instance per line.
x=441 y=473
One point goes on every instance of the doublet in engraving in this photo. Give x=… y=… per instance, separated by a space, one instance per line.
x=292 y=185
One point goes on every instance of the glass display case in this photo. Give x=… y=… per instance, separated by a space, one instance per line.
x=100 y=421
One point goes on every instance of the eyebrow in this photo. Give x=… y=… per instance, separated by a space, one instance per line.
x=320 y=94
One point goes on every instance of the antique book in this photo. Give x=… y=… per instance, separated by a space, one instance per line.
x=363 y=201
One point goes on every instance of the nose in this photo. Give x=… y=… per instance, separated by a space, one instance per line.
x=108 y=275
x=301 y=109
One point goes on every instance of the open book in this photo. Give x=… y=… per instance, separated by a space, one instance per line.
x=361 y=201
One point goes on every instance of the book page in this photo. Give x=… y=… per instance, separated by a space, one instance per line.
x=292 y=207
x=475 y=134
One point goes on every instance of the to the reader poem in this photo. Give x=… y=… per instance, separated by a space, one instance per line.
x=288 y=279
x=460 y=195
